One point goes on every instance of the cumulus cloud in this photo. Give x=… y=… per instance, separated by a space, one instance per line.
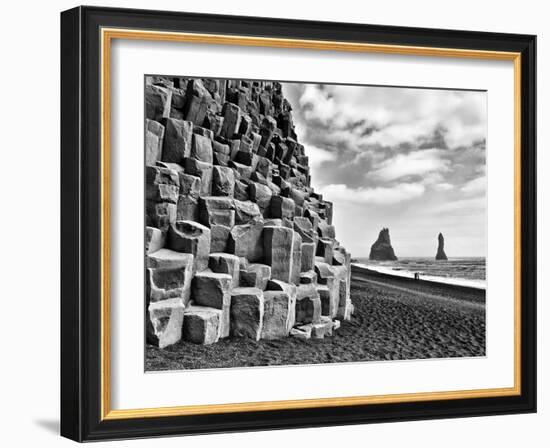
x=475 y=186
x=443 y=186
x=378 y=195
x=392 y=116
x=318 y=155
x=407 y=158
x=317 y=105
x=417 y=163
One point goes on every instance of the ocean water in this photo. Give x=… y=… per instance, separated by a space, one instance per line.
x=466 y=271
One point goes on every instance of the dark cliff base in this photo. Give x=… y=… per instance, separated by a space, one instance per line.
x=394 y=319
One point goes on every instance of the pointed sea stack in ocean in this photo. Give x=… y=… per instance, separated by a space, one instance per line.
x=440 y=248
x=381 y=249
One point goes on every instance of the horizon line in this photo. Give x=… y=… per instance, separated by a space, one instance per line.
x=423 y=256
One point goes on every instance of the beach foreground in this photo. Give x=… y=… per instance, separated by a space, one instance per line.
x=395 y=319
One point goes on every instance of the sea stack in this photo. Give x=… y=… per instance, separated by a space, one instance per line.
x=381 y=250
x=440 y=248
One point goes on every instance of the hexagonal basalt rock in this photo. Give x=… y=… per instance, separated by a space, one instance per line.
x=301 y=332
x=235 y=231
x=217 y=210
x=261 y=195
x=201 y=149
x=157 y=102
x=325 y=249
x=223 y=263
x=296 y=258
x=170 y=259
x=154 y=137
x=291 y=290
x=307 y=260
x=162 y=193
x=246 y=211
x=223 y=181
x=168 y=282
x=197 y=103
x=212 y=289
x=193 y=238
x=160 y=214
x=324 y=295
x=308 y=277
x=247 y=313
x=219 y=238
x=325 y=230
x=154 y=239
x=189 y=185
x=330 y=277
x=281 y=207
x=308 y=304
x=157 y=175
x=187 y=208
x=255 y=275
x=246 y=240
x=322 y=329
x=243 y=171
x=164 y=323
x=267 y=129
x=241 y=191
x=201 y=324
x=202 y=170
x=278 y=251
x=177 y=140
x=231 y=119
x=276 y=314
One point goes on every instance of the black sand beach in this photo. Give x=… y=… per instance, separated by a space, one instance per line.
x=395 y=319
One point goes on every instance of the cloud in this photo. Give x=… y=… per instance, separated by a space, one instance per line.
x=391 y=116
x=443 y=186
x=415 y=163
x=475 y=186
x=411 y=159
x=318 y=155
x=463 y=207
x=378 y=195
x=317 y=105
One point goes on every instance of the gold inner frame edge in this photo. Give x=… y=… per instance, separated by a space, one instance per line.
x=107 y=35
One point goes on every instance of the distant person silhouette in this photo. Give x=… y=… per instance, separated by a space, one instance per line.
x=416 y=276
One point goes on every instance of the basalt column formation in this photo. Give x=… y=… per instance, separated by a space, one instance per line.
x=238 y=244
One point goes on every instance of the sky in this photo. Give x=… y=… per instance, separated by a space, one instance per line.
x=412 y=160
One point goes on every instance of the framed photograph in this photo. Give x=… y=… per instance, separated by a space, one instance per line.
x=277 y=224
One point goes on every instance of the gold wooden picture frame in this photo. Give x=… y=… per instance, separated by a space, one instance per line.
x=87 y=37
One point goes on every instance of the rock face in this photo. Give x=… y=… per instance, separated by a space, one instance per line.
x=440 y=248
x=247 y=313
x=381 y=249
x=238 y=243
x=164 y=325
x=201 y=325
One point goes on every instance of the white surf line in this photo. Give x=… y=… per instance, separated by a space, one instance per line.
x=470 y=283
x=466 y=303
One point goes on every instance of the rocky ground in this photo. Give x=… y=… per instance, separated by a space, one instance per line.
x=394 y=319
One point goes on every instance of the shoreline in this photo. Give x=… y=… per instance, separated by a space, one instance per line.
x=429 y=279
x=438 y=291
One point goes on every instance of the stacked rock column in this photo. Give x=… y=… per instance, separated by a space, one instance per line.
x=238 y=243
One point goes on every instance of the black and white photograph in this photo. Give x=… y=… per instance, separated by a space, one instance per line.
x=274 y=223
x=299 y=223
